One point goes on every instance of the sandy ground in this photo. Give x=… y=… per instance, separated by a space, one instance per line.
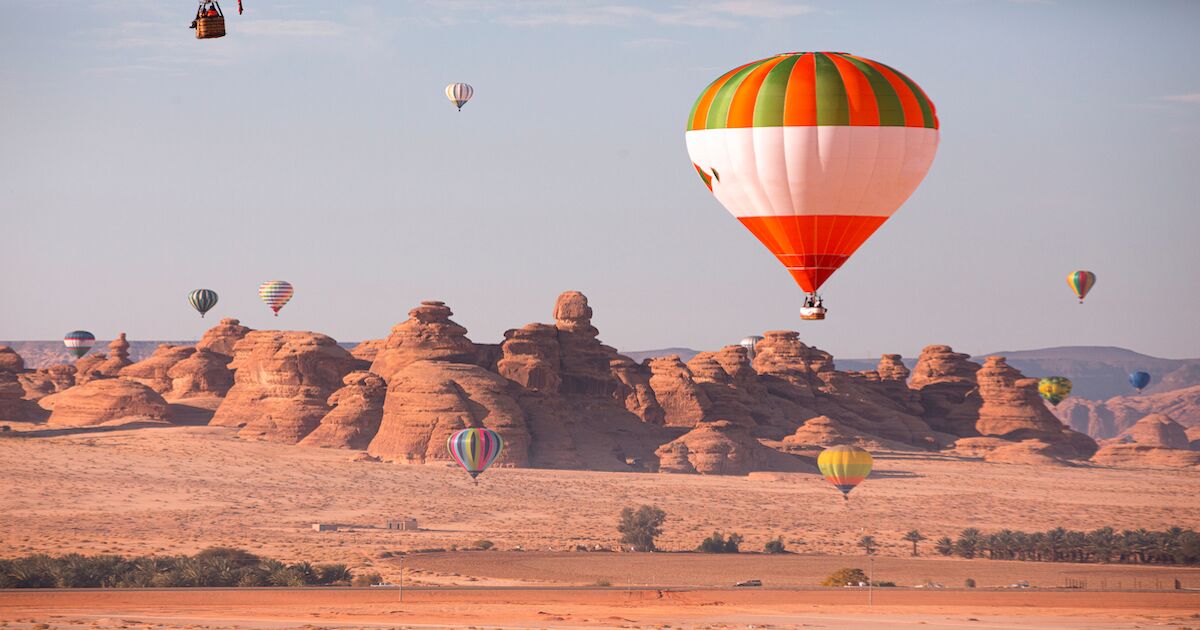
x=171 y=489
x=616 y=608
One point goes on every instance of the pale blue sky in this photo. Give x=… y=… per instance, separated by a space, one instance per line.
x=314 y=144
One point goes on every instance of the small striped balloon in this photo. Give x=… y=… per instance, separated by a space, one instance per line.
x=78 y=342
x=1054 y=389
x=1081 y=282
x=275 y=293
x=202 y=300
x=845 y=467
x=459 y=94
x=475 y=449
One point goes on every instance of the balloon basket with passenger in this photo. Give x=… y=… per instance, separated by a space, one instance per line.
x=813 y=309
x=210 y=19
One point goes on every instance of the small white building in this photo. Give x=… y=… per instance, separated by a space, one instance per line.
x=324 y=527
x=406 y=524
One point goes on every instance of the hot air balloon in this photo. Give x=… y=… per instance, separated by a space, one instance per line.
x=751 y=345
x=1054 y=388
x=78 y=342
x=459 y=94
x=1081 y=282
x=276 y=293
x=845 y=467
x=210 y=19
x=475 y=449
x=812 y=152
x=1139 y=380
x=202 y=300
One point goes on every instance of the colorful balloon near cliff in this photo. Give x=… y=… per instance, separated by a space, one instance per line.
x=475 y=449
x=812 y=152
x=275 y=293
x=1081 y=282
x=1054 y=389
x=78 y=342
x=459 y=94
x=845 y=467
x=1139 y=380
x=202 y=300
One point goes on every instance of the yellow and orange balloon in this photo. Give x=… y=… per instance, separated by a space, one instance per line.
x=845 y=467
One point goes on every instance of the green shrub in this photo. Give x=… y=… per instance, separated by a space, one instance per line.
x=885 y=584
x=366 y=580
x=970 y=583
x=640 y=527
x=842 y=577
x=333 y=574
x=718 y=543
x=775 y=546
x=484 y=544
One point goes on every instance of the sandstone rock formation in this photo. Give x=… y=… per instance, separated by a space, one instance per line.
x=634 y=390
x=945 y=381
x=46 y=381
x=1108 y=418
x=281 y=384
x=1012 y=409
x=203 y=373
x=357 y=409
x=1155 y=441
x=427 y=334
x=105 y=400
x=10 y=361
x=117 y=359
x=683 y=402
x=427 y=401
x=997 y=450
x=368 y=350
x=722 y=448
x=152 y=372
x=222 y=338
x=531 y=357
x=822 y=432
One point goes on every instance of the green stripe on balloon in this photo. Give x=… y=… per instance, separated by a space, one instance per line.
x=769 y=104
x=718 y=112
x=891 y=111
x=833 y=107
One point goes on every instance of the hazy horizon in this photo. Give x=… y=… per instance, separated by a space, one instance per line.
x=314 y=144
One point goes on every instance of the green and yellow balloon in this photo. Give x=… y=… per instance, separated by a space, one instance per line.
x=845 y=467
x=1054 y=389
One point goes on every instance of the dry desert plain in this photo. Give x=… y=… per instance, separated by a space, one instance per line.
x=174 y=489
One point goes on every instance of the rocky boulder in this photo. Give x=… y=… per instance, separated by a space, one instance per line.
x=201 y=374
x=427 y=401
x=822 y=431
x=1000 y=451
x=46 y=381
x=116 y=360
x=105 y=400
x=1158 y=430
x=152 y=372
x=368 y=350
x=427 y=335
x=281 y=383
x=222 y=338
x=635 y=391
x=946 y=386
x=10 y=361
x=1012 y=409
x=683 y=402
x=531 y=357
x=722 y=448
x=357 y=409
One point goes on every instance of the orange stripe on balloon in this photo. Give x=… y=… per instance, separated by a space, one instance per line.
x=864 y=109
x=800 y=100
x=912 y=109
x=741 y=108
x=812 y=247
x=700 y=118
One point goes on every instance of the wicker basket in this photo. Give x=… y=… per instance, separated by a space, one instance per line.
x=210 y=27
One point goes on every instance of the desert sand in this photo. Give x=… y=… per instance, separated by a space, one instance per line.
x=160 y=488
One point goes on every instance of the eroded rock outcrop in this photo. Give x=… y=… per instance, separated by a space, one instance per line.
x=116 y=360
x=427 y=401
x=202 y=374
x=1108 y=418
x=531 y=357
x=822 y=432
x=105 y=400
x=1012 y=409
x=10 y=361
x=945 y=381
x=427 y=335
x=152 y=372
x=368 y=350
x=281 y=383
x=683 y=402
x=635 y=391
x=45 y=381
x=997 y=450
x=222 y=338
x=357 y=409
x=722 y=448
x=1155 y=441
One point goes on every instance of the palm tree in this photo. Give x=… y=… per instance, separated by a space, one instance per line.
x=944 y=546
x=913 y=536
x=1076 y=545
x=868 y=544
x=1102 y=543
x=968 y=543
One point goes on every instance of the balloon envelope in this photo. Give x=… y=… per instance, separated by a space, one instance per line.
x=1054 y=388
x=1139 y=380
x=78 y=342
x=459 y=94
x=812 y=152
x=475 y=449
x=202 y=300
x=845 y=466
x=1081 y=282
x=751 y=345
x=275 y=293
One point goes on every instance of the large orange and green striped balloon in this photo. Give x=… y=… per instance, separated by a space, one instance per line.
x=844 y=466
x=276 y=293
x=812 y=152
x=1081 y=282
x=475 y=449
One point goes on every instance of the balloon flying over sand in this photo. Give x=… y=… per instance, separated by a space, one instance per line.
x=845 y=467
x=475 y=449
x=812 y=152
